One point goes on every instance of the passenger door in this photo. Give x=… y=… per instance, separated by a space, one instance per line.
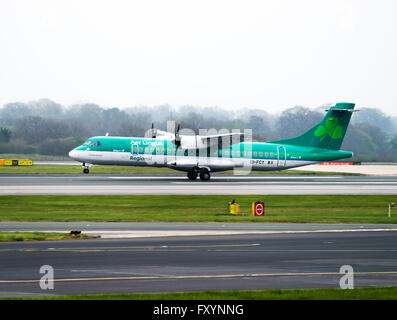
x=281 y=156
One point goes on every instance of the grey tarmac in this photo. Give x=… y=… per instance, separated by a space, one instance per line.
x=101 y=184
x=195 y=263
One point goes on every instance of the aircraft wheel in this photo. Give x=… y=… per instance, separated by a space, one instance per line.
x=192 y=175
x=205 y=175
x=86 y=170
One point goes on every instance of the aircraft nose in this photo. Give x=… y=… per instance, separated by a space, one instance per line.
x=72 y=154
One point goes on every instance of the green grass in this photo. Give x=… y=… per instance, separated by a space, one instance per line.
x=76 y=169
x=198 y=208
x=34 y=157
x=386 y=293
x=39 y=236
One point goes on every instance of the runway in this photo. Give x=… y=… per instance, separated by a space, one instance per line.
x=160 y=229
x=165 y=264
x=178 y=184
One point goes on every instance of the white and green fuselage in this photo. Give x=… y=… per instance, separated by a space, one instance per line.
x=162 y=153
x=320 y=143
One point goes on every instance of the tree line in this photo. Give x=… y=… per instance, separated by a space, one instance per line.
x=48 y=128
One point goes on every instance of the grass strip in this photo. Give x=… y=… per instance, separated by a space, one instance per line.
x=34 y=157
x=38 y=236
x=383 y=293
x=198 y=208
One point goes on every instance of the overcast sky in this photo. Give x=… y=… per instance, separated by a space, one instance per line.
x=232 y=54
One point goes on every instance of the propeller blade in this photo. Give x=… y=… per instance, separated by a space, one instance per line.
x=177 y=140
x=179 y=127
x=153 y=130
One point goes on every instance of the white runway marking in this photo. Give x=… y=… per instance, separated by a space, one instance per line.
x=115 y=234
x=170 y=185
x=193 y=189
x=225 y=177
x=303 y=182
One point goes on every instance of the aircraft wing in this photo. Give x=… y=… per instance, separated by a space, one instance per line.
x=208 y=141
x=214 y=136
x=222 y=139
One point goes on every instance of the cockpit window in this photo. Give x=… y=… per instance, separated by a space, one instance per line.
x=90 y=143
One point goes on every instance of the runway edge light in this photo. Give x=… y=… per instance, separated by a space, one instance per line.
x=391 y=206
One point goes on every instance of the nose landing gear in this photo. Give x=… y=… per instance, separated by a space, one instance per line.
x=85 y=170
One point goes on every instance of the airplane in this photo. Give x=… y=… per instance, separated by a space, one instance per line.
x=200 y=155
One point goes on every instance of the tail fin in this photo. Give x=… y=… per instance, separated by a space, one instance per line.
x=329 y=133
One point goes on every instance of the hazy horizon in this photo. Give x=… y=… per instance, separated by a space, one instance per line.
x=194 y=108
x=268 y=55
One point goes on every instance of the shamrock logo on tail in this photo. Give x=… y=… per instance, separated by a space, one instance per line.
x=331 y=129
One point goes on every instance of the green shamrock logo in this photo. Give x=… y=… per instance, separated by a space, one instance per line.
x=331 y=129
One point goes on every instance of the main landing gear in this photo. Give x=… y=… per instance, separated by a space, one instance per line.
x=204 y=174
x=192 y=175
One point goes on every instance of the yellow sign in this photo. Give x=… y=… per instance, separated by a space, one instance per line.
x=25 y=162
x=10 y=162
x=16 y=162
